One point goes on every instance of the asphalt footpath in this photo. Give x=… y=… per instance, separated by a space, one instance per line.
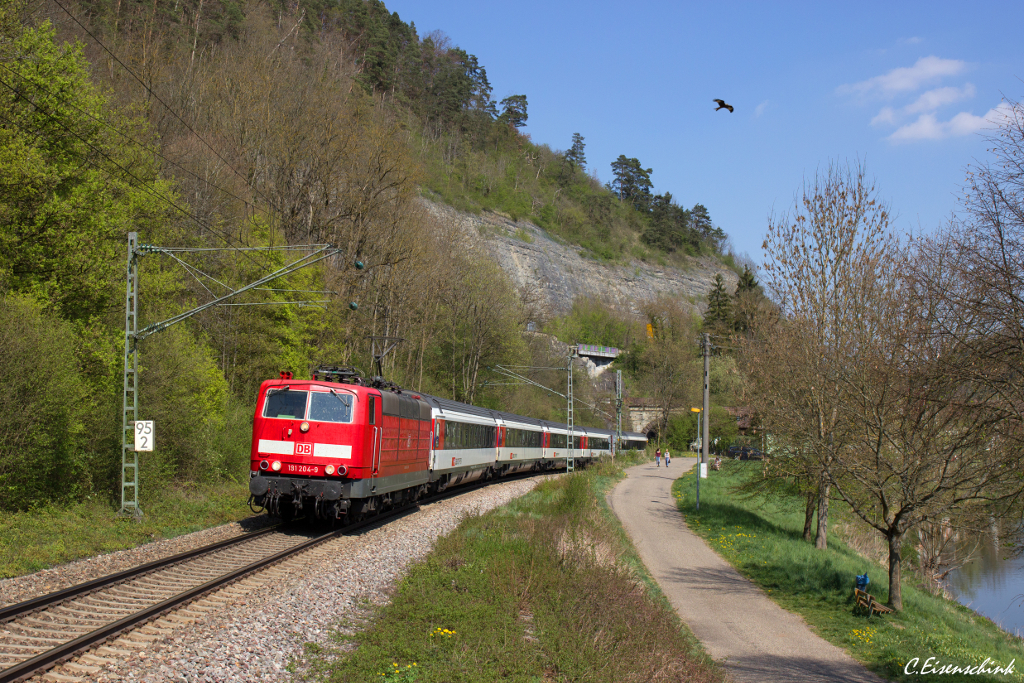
x=740 y=627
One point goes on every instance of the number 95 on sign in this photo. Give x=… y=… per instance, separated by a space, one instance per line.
x=144 y=435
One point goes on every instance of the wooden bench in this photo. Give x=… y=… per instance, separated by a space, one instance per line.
x=866 y=601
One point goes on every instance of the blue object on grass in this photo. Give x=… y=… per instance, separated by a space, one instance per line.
x=862 y=581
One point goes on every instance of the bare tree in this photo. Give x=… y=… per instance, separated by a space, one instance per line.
x=817 y=256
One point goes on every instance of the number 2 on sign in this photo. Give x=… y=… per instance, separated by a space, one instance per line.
x=144 y=435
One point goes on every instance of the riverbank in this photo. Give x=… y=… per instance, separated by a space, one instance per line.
x=762 y=539
x=545 y=588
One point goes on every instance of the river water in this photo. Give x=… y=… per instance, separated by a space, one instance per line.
x=992 y=584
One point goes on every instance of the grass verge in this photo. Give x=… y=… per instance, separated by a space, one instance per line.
x=763 y=539
x=539 y=590
x=48 y=536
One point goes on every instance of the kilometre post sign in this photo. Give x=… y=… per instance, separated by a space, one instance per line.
x=144 y=435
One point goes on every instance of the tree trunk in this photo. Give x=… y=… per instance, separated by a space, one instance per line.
x=895 y=593
x=809 y=515
x=824 y=486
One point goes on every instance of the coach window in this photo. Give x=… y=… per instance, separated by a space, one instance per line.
x=285 y=405
x=372 y=410
x=330 y=406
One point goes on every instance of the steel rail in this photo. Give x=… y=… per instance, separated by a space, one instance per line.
x=35 y=604
x=31 y=667
x=25 y=670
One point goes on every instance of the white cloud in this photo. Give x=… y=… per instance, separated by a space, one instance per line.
x=928 y=127
x=913 y=40
x=761 y=108
x=933 y=99
x=885 y=117
x=906 y=78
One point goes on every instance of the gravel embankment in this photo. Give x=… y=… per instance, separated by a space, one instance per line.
x=254 y=636
x=26 y=587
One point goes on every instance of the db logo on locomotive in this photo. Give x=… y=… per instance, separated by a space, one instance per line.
x=303 y=449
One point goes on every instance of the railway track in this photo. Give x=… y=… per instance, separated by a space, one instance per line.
x=41 y=633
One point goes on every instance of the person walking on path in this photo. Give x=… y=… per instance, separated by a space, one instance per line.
x=668 y=458
x=657 y=457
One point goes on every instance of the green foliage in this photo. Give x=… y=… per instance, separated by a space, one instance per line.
x=575 y=157
x=727 y=383
x=723 y=426
x=185 y=393
x=749 y=302
x=44 y=408
x=68 y=198
x=669 y=228
x=761 y=535
x=747 y=282
x=632 y=183
x=53 y=534
x=681 y=432
x=514 y=111
x=592 y=321
x=719 y=311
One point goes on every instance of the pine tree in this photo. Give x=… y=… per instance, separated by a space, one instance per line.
x=747 y=301
x=747 y=283
x=514 y=110
x=719 y=311
x=575 y=157
x=632 y=182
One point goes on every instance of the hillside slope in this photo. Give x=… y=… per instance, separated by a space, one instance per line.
x=558 y=273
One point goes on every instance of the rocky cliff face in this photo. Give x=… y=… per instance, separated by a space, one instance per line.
x=559 y=273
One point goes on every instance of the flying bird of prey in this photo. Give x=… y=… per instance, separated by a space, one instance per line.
x=723 y=105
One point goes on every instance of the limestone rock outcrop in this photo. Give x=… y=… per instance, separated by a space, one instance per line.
x=559 y=272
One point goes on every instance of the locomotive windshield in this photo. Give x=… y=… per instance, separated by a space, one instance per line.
x=330 y=407
x=285 y=405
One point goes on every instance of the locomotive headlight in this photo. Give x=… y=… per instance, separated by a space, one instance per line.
x=304 y=427
x=329 y=469
x=276 y=466
x=342 y=470
x=264 y=465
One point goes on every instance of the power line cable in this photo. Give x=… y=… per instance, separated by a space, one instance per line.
x=166 y=106
x=66 y=101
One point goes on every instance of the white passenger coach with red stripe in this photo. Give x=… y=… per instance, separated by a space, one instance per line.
x=332 y=447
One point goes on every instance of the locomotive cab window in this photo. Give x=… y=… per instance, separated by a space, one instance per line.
x=330 y=406
x=286 y=405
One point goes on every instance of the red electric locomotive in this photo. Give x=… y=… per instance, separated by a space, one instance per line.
x=330 y=446
x=337 y=445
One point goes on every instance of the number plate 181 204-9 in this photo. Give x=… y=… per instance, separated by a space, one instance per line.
x=302 y=469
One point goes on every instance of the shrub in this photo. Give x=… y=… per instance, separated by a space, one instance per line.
x=43 y=407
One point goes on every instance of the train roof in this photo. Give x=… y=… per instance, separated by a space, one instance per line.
x=444 y=404
x=522 y=419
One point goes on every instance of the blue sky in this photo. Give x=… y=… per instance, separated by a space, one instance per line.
x=905 y=87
